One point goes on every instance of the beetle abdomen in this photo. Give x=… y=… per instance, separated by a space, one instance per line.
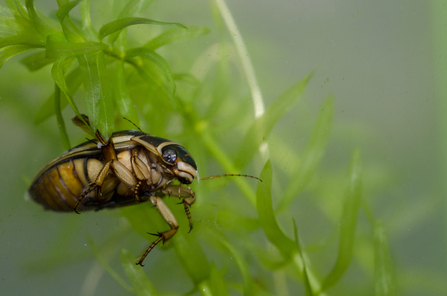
x=60 y=187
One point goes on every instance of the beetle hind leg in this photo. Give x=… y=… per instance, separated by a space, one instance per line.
x=92 y=187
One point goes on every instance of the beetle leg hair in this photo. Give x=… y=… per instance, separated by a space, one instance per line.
x=188 y=196
x=137 y=188
x=95 y=185
x=167 y=215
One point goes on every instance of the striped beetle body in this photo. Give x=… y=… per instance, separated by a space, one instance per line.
x=131 y=167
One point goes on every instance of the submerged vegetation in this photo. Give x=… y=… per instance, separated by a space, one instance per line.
x=255 y=238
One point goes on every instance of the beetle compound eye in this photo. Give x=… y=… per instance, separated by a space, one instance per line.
x=169 y=155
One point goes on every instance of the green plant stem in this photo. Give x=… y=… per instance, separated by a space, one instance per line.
x=247 y=65
x=244 y=56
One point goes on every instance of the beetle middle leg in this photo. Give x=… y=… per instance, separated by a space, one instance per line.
x=167 y=215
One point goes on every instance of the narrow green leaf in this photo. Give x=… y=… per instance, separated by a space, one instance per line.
x=348 y=221
x=120 y=24
x=307 y=284
x=384 y=276
x=176 y=35
x=60 y=119
x=38 y=24
x=27 y=38
x=267 y=218
x=136 y=275
x=71 y=32
x=65 y=9
x=98 y=97
x=155 y=58
x=36 y=61
x=86 y=21
x=261 y=127
x=121 y=94
x=135 y=7
x=58 y=73
x=11 y=51
x=57 y=48
x=312 y=155
x=73 y=81
x=16 y=7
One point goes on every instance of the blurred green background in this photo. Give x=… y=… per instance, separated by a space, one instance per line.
x=383 y=62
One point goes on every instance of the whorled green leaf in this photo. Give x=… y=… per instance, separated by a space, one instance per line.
x=120 y=24
x=11 y=51
x=98 y=97
x=57 y=48
x=60 y=119
x=141 y=284
x=72 y=81
x=36 y=61
x=384 y=276
x=261 y=127
x=121 y=94
x=155 y=58
x=176 y=35
x=348 y=220
x=274 y=233
x=8 y=24
x=20 y=30
x=312 y=155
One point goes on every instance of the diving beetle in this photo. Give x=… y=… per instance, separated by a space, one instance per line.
x=129 y=168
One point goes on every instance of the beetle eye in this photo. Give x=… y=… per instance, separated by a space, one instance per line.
x=169 y=155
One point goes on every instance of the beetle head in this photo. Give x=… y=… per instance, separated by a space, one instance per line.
x=179 y=160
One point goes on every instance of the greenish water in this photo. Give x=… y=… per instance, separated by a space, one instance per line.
x=354 y=125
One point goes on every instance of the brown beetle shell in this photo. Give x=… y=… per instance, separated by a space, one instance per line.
x=59 y=185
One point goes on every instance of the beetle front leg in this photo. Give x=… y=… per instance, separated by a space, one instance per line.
x=188 y=196
x=162 y=236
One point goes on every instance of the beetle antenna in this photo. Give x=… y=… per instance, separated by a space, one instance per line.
x=230 y=175
x=84 y=123
x=140 y=131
